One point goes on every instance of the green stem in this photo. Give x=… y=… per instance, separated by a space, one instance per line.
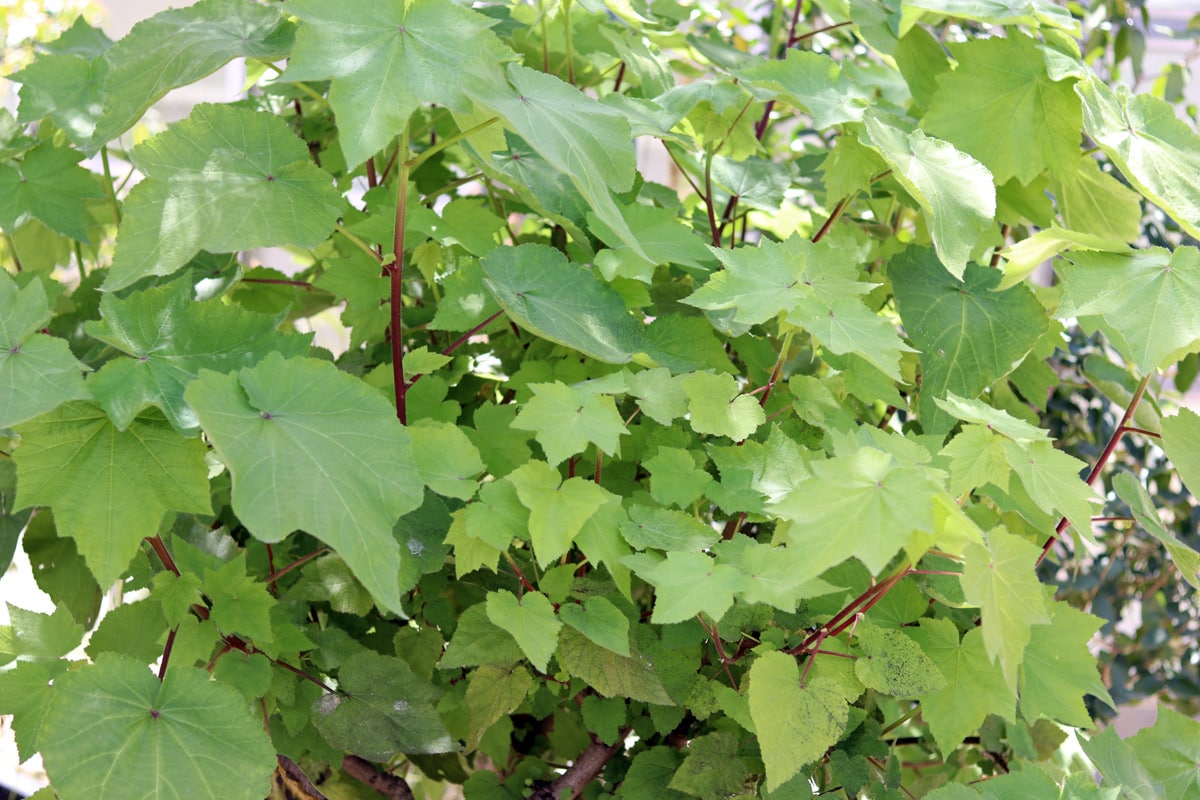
x=108 y=182
x=415 y=163
x=395 y=271
x=12 y=248
x=359 y=243
x=570 y=44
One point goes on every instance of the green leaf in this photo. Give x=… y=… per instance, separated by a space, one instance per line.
x=1001 y=107
x=446 y=460
x=599 y=620
x=381 y=709
x=712 y=768
x=1181 y=441
x=1028 y=254
x=492 y=693
x=1052 y=479
x=659 y=394
x=968 y=333
x=776 y=575
x=530 y=620
x=558 y=509
x=1147 y=303
x=811 y=81
x=26 y=693
x=240 y=604
x=976 y=458
x=556 y=300
x=566 y=420
x=864 y=506
x=60 y=571
x=48 y=185
x=180 y=46
x=895 y=664
x=1170 y=750
x=109 y=488
x=290 y=423
x=68 y=88
x=1093 y=201
x=171 y=337
x=466 y=302
x=36 y=636
x=1057 y=668
x=674 y=477
x=37 y=372
x=687 y=584
x=1155 y=150
x=664 y=529
x=997 y=12
x=245 y=180
x=386 y=60
x=663 y=239
x=975 y=687
x=999 y=578
x=116 y=713
x=757 y=283
x=1120 y=766
x=1129 y=489
x=477 y=641
x=715 y=406
x=796 y=723
x=995 y=419
x=609 y=673
x=955 y=191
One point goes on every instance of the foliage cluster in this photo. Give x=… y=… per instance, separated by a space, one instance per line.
x=735 y=489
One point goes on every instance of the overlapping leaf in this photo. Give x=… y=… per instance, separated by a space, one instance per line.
x=224 y=179
x=566 y=420
x=311 y=447
x=109 y=488
x=1057 y=668
x=48 y=185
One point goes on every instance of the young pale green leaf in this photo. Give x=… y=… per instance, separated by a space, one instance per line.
x=48 y=185
x=109 y=488
x=311 y=447
x=466 y=302
x=181 y=46
x=994 y=419
x=446 y=460
x=558 y=509
x=1001 y=107
x=115 y=712
x=37 y=636
x=386 y=59
x=609 y=673
x=863 y=506
x=599 y=620
x=663 y=239
x=968 y=333
x=25 y=692
x=1095 y=202
x=757 y=283
x=1147 y=302
x=999 y=578
x=674 y=477
x=240 y=604
x=955 y=191
x=776 y=574
x=37 y=372
x=530 y=620
x=715 y=406
x=976 y=458
x=659 y=394
x=1170 y=750
x=975 y=687
x=1052 y=479
x=1057 y=668
x=544 y=293
x=1181 y=441
x=811 y=81
x=1158 y=152
x=1033 y=13
x=664 y=529
x=796 y=724
x=381 y=708
x=1027 y=255
x=567 y=419
x=244 y=177
x=895 y=664
x=493 y=692
x=1187 y=560
x=687 y=584
x=171 y=337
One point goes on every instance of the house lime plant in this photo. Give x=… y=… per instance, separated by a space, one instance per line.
x=736 y=488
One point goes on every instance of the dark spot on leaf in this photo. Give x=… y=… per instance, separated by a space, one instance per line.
x=265 y=415
x=400 y=29
x=16 y=348
x=270 y=179
x=154 y=712
x=523 y=99
x=143 y=358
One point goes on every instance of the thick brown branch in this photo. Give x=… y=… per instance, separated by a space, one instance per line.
x=390 y=786
x=582 y=772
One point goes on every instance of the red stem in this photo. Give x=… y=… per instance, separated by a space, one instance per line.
x=395 y=272
x=299 y=562
x=166 y=654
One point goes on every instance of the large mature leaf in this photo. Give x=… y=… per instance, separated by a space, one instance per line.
x=114 y=731
x=796 y=724
x=311 y=447
x=955 y=191
x=1147 y=303
x=1170 y=750
x=37 y=372
x=609 y=673
x=968 y=333
x=1052 y=479
x=48 y=185
x=1057 y=668
x=563 y=302
x=999 y=578
x=171 y=337
x=180 y=46
x=381 y=709
x=811 y=81
x=975 y=687
x=386 y=59
x=1001 y=107
x=224 y=179
x=68 y=88
x=109 y=488
x=864 y=506
x=1158 y=152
